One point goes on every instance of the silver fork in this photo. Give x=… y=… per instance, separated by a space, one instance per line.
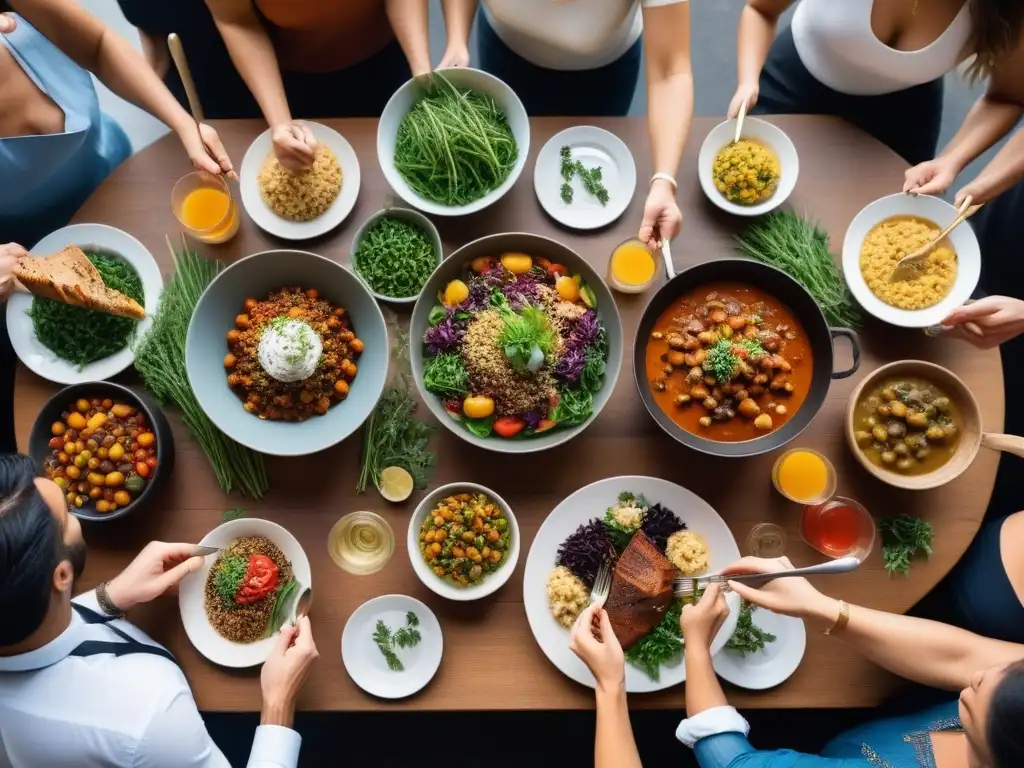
x=686 y=586
x=602 y=584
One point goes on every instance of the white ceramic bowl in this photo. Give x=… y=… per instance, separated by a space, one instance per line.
x=462 y=77
x=762 y=132
x=964 y=241
x=98 y=238
x=404 y=214
x=492 y=582
x=201 y=633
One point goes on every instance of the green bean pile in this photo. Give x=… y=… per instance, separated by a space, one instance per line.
x=83 y=336
x=395 y=257
x=455 y=146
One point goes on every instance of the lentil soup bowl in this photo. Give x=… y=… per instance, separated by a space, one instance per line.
x=302 y=355
x=500 y=396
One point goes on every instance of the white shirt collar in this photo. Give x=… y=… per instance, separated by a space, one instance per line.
x=57 y=649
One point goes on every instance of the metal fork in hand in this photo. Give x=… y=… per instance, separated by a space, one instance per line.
x=602 y=584
x=686 y=586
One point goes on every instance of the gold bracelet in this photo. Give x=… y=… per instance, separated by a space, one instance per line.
x=664 y=177
x=842 y=621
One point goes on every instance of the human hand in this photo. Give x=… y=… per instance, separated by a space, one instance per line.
x=662 y=217
x=9 y=255
x=931 y=177
x=979 y=190
x=285 y=670
x=792 y=596
x=209 y=154
x=455 y=56
x=157 y=568
x=987 y=322
x=7 y=23
x=599 y=649
x=744 y=93
x=294 y=145
x=701 y=622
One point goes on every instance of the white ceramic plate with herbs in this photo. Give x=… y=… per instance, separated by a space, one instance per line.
x=773 y=664
x=396 y=663
x=575 y=206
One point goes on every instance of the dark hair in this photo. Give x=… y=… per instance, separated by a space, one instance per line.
x=30 y=549
x=996 y=31
x=1005 y=715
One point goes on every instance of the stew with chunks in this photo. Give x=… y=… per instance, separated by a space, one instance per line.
x=729 y=362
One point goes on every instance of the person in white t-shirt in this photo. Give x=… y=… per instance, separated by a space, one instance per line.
x=582 y=58
x=79 y=685
x=879 y=64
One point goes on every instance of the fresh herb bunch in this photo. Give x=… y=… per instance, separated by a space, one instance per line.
x=284 y=594
x=661 y=645
x=567 y=167
x=446 y=375
x=230 y=573
x=904 y=537
x=160 y=360
x=566 y=193
x=393 y=436
x=748 y=637
x=526 y=331
x=455 y=146
x=395 y=257
x=83 y=336
x=592 y=182
x=798 y=247
x=724 y=363
x=406 y=637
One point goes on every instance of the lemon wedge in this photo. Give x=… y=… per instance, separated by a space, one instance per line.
x=396 y=484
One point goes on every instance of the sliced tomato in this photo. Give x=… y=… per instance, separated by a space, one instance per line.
x=260 y=580
x=545 y=425
x=509 y=426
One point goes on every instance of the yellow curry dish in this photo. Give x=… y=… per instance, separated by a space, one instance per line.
x=746 y=172
x=890 y=241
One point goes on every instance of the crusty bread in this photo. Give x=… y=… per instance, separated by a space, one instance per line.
x=69 y=277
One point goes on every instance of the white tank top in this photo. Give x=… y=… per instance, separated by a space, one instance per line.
x=836 y=43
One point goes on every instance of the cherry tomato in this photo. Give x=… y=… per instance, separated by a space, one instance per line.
x=509 y=426
x=142 y=468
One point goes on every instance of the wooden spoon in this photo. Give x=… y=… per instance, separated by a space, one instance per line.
x=908 y=265
x=739 y=122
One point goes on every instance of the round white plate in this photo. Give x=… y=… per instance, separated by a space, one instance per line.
x=89 y=237
x=365 y=663
x=592 y=147
x=963 y=239
x=772 y=665
x=579 y=508
x=269 y=221
x=200 y=632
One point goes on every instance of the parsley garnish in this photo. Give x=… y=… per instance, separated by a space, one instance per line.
x=406 y=637
x=903 y=538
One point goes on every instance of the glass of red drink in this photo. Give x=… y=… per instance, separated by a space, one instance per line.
x=839 y=527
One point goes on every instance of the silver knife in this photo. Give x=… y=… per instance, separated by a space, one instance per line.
x=200 y=550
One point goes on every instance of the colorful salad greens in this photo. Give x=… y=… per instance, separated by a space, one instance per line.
x=515 y=347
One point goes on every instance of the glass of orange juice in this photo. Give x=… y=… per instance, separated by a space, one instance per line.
x=839 y=527
x=804 y=476
x=632 y=268
x=203 y=204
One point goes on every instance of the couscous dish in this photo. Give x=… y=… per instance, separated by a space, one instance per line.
x=688 y=551
x=746 y=173
x=889 y=242
x=303 y=195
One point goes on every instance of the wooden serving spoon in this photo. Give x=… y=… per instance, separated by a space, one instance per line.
x=907 y=266
x=739 y=122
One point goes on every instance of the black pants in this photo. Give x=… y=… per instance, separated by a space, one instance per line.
x=908 y=121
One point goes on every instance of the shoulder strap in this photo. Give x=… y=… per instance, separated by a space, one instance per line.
x=128 y=647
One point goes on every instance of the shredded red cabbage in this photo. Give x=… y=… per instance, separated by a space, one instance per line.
x=570 y=364
x=659 y=523
x=446 y=336
x=532 y=419
x=584 y=551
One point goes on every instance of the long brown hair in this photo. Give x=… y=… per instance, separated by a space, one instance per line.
x=996 y=32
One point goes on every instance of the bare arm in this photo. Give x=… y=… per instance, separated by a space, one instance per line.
x=614 y=745
x=409 y=21
x=458 y=21
x=1005 y=170
x=703 y=691
x=156 y=52
x=669 y=83
x=753 y=40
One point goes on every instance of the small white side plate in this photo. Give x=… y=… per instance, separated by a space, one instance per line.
x=365 y=663
x=102 y=239
x=772 y=665
x=269 y=221
x=592 y=147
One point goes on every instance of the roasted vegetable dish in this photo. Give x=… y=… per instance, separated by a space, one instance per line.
x=746 y=172
x=465 y=537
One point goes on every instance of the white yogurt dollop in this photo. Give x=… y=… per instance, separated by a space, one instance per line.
x=289 y=349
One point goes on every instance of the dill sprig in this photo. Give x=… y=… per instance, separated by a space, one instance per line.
x=406 y=637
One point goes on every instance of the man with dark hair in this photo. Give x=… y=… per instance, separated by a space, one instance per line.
x=80 y=685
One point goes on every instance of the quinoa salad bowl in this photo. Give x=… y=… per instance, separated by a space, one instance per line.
x=516 y=343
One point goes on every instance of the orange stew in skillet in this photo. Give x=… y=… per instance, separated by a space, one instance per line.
x=729 y=362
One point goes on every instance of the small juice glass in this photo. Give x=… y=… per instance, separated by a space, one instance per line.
x=631 y=267
x=804 y=476
x=203 y=205
x=839 y=527
x=767 y=540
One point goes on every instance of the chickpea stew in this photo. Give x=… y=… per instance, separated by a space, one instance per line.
x=746 y=172
x=102 y=454
x=729 y=362
x=465 y=537
x=907 y=425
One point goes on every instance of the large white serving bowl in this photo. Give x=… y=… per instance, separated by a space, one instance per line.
x=201 y=633
x=963 y=239
x=405 y=98
x=98 y=238
x=578 y=509
x=762 y=132
x=492 y=582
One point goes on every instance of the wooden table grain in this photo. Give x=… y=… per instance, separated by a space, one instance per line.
x=491 y=659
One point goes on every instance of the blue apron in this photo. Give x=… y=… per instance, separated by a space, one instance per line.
x=45 y=179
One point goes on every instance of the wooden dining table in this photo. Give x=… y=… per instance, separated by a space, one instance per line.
x=491 y=660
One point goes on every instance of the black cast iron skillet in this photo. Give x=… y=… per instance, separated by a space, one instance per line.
x=786 y=290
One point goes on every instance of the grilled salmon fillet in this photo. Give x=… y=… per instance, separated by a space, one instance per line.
x=641 y=590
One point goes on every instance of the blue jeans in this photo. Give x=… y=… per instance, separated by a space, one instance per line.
x=606 y=91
